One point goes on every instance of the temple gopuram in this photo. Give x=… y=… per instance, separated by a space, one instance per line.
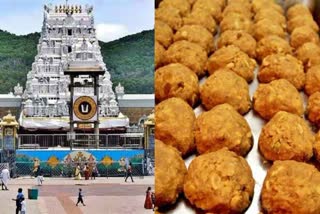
x=68 y=37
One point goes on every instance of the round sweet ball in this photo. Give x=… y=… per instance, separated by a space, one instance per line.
x=312 y=80
x=241 y=39
x=278 y=95
x=170 y=172
x=300 y=21
x=272 y=45
x=286 y=137
x=301 y=35
x=291 y=187
x=220 y=127
x=163 y=33
x=158 y=54
x=196 y=34
x=169 y=15
x=282 y=66
x=233 y=58
x=266 y=27
x=219 y=182
x=183 y=6
x=225 y=86
x=213 y=7
x=298 y=10
x=174 y=121
x=273 y=15
x=308 y=54
x=189 y=54
x=313 y=108
x=176 y=80
x=203 y=18
x=236 y=21
x=237 y=7
x=258 y=5
x=316 y=147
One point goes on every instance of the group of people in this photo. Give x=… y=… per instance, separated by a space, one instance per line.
x=20 y=200
x=21 y=203
x=92 y=171
x=88 y=171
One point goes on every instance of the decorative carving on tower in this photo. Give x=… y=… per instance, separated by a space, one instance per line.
x=18 y=90
x=119 y=89
x=68 y=37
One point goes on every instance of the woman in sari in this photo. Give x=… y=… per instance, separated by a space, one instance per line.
x=77 y=173
x=148 y=201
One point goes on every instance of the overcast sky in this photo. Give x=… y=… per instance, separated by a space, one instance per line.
x=113 y=18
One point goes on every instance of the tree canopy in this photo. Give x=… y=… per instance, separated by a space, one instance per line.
x=129 y=60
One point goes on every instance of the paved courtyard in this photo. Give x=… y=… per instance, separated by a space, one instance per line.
x=59 y=195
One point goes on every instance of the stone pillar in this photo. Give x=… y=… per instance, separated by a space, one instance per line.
x=71 y=89
x=96 y=123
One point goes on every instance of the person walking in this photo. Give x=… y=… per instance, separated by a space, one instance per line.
x=86 y=171
x=23 y=206
x=90 y=170
x=5 y=177
x=18 y=200
x=129 y=172
x=95 y=172
x=40 y=178
x=37 y=173
x=148 y=201
x=77 y=173
x=80 y=198
x=36 y=166
x=150 y=168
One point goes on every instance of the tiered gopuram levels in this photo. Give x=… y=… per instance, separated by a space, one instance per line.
x=68 y=37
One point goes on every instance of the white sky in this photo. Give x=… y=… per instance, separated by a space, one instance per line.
x=113 y=18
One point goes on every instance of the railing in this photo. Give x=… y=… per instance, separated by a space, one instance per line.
x=135 y=129
x=44 y=141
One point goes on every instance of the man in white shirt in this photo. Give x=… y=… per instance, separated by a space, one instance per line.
x=40 y=178
x=5 y=177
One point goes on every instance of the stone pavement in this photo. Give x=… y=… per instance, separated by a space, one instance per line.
x=59 y=195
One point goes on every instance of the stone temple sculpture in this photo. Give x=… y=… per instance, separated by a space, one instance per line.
x=68 y=35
